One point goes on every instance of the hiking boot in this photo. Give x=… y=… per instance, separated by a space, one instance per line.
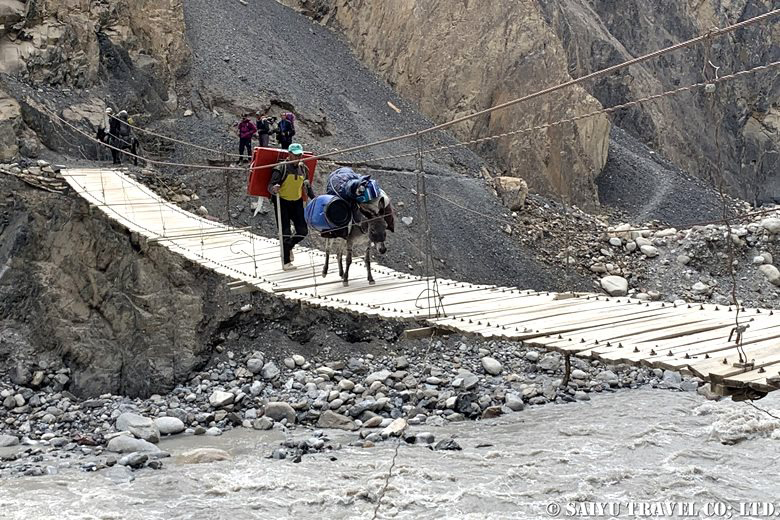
x=289 y=267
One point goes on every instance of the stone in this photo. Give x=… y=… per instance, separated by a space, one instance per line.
x=532 y=356
x=119 y=474
x=289 y=363
x=683 y=259
x=214 y=432
x=424 y=438
x=188 y=113
x=578 y=374
x=512 y=191
x=37 y=379
x=514 y=402
x=380 y=376
x=169 y=425
x=706 y=391
x=21 y=375
x=203 y=456
x=331 y=419
x=641 y=241
x=270 y=371
x=649 y=251
x=700 y=288
x=218 y=398
x=550 y=362
x=772 y=225
x=759 y=260
x=373 y=422
x=401 y=363
x=771 y=273
x=491 y=366
x=666 y=233
x=615 y=285
x=346 y=385
x=491 y=412
x=299 y=360
x=255 y=365
x=447 y=444
x=134 y=460
x=579 y=395
x=689 y=386
x=673 y=378
x=140 y=426
x=278 y=410
x=8 y=440
x=608 y=376
x=407 y=220
x=127 y=444
x=256 y=388
x=394 y=429
x=615 y=242
x=767 y=257
x=263 y=423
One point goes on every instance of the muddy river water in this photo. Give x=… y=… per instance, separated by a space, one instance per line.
x=623 y=455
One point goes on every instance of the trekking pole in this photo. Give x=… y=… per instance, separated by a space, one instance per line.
x=279 y=225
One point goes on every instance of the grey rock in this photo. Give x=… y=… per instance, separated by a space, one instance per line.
x=550 y=362
x=395 y=428
x=380 y=376
x=255 y=365
x=263 y=423
x=21 y=375
x=169 y=425
x=532 y=356
x=649 y=251
x=579 y=395
x=214 y=432
x=447 y=444
x=299 y=360
x=218 y=398
x=615 y=285
x=608 y=376
x=673 y=378
x=700 y=288
x=401 y=363
x=331 y=419
x=270 y=371
x=514 y=402
x=424 y=438
x=772 y=225
x=289 y=363
x=706 y=391
x=140 y=426
x=578 y=374
x=127 y=444
x=134 y=460
x=278 y=410
x=771 y=273
x=491 y=366
x=689 y=386
x=8 y=440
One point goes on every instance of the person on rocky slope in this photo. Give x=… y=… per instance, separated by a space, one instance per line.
x=263 y=125
x=246 y=129
x=287 y=184
x=285 y=130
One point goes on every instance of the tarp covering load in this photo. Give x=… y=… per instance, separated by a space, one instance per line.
x=343 y=183
x=260 y=174
x=327 y=213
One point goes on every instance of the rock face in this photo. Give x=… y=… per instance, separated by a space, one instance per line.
x=513 y=192
x=10 y=123
x=104 y=284
x=554 y=40
x=474 y=70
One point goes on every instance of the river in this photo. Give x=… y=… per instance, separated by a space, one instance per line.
x=630 y=447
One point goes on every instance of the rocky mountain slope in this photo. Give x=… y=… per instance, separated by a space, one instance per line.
x=458 y=57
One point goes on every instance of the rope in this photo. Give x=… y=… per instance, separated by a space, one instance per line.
x=173 y=139
x=608 y=70
x=770 y=414
x=608 y=110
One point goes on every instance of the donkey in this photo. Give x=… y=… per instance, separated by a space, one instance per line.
x=371 y=231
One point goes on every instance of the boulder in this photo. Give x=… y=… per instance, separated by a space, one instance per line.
x=270 y=371
x=649 y=251
x=169 y=425
x=203 y=456
x=772 y=274
x=263 y=423
x=772 y=225
x=395 y=428
x=380 y=376
x=491 y=366
x=134 y=460
x=8 y=440
x=615 y=285
x=331 y=419
x=514 y=402
x=218 y=398
x=255 y=365
x=512 y=191
x=140 y=426
x=127 y=444
x=279 y=410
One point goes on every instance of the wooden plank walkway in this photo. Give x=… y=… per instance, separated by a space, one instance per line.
x=691 y=338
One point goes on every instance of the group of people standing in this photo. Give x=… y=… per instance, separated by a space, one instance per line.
x=264 y=127
x=119 y=135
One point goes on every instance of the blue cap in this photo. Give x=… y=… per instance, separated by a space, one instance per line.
x=295 y=149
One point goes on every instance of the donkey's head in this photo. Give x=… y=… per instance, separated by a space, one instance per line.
x=379 y=219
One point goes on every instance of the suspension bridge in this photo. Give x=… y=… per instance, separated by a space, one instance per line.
x=696 y=338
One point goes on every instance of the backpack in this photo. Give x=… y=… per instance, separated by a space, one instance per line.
x=286 y=128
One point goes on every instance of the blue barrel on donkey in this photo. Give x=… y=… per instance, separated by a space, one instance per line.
x=328 y=213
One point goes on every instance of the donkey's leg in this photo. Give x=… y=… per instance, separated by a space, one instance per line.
x=327 y=258
x=368 y=265
x=345 y=278
x=339 y=256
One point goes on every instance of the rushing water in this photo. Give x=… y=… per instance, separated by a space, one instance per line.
x=631 y=446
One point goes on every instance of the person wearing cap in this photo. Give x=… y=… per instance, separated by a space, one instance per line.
x=246 y=129
x=263 y=125
x=287 y=184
